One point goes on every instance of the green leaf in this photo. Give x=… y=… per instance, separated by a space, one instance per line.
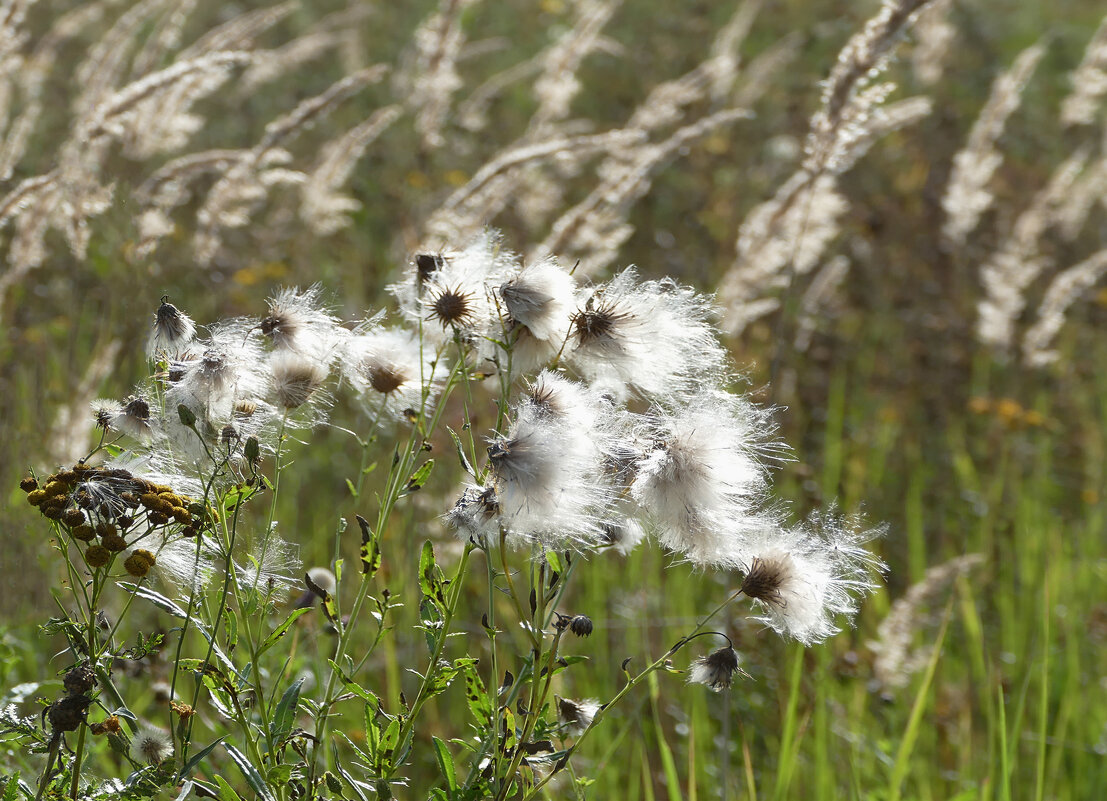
x=554 y=561
x=370 y=548
x=11 y=789
x=224 y=791
x=166 y=605
x=446 y=763
x=279 y=774
x=354 y=687
x=477 y=698
x=430 y=576
x=281 y=630
x=196 y=759
x=465 y=464
x=251 y=774
x=418 y=478
x=285 y=715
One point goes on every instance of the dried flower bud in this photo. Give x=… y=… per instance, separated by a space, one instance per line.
x=73 y=517
x=97 y=556
x=29 y=484
x=109 y=725
x=580 y=625
x=36 y=497
x=716 y=670
x=83 y=533
x=66 y=714
x=79 y=680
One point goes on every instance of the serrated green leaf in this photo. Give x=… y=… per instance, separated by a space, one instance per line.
x=354 y=687
x=419 y=477
x=11 y=789
x=477 y=698
x=370 y=548
x=285 y=714
x=250 y=773
x=281 y=630
x=446 y=763
x=430 y=575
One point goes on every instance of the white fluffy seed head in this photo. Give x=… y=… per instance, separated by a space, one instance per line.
x=389 y=368
x=701 y=481
x=651 y=338
x=806 y=576
x=173 y=331
x=151 y=746
x=540 y=296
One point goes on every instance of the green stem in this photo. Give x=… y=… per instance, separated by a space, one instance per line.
x=629 y=686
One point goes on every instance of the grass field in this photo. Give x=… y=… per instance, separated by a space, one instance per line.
x=894 y=409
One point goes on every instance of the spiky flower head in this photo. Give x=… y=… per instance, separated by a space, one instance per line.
x=299 y=321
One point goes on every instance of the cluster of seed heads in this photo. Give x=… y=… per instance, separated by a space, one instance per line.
x=112 y=510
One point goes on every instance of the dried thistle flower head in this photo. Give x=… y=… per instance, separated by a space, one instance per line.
x=651 y=338
x=806 y=576
x=716 y=670
x=576 y=716
x=702 y=482
x=173 y=331
x=319 y=578
x=540 y=296
x=298 y=321
x=475 y=515
x=151 y=746
x=389 y=368
x=296 y=379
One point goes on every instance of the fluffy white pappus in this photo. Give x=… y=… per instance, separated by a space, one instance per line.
x=623 y=534
x=389 y=368
x=548 y=478
x=151 y=746
x=651 y=338
x=297 y=381
x=158 y=466
x=217 y=371
x=541 y=297
x=576 y=716
x=188 y=565
x=299 y=322
x=475 y=515
x=173 y=331
x=272 y=567
x=454 y=290
x=806 y=576
x=702 y=481
x=133 y=416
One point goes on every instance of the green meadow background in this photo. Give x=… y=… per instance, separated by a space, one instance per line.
x=894 y=410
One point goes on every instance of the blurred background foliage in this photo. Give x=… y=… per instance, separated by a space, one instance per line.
x=893 y=408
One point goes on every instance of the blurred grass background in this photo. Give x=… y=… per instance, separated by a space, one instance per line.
x=894 y=408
